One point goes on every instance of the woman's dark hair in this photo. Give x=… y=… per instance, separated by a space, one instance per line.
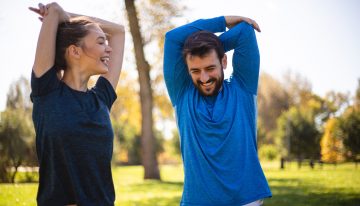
x=201 y=43
x=69 y=33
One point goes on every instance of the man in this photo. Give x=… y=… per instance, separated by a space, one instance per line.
x=216 y=118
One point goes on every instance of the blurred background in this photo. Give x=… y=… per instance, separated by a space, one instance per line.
x=308 y=99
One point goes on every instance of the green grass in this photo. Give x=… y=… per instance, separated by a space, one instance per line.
x=329 y=185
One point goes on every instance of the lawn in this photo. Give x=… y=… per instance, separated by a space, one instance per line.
x=328 y=185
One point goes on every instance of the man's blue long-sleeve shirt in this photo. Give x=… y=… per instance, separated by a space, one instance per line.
x=217 y=134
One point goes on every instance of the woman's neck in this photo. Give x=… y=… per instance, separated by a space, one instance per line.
x=75 y=80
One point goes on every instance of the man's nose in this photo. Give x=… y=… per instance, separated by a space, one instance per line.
x=204 y=77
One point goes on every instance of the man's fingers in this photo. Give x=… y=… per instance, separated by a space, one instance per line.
x=256 y=27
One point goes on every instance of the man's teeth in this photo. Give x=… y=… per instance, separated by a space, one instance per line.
x=207 y=84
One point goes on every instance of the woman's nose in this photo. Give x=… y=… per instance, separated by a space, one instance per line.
x=108 y=49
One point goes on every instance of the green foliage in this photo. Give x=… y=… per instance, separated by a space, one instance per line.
x=156 y=17
x=272 y=100
x=350 y=128
x=17 y=139
x=176 y=142
x=357 y=96
x=16 y=143
x=297 y=134
x=268 y=152
x=18 y=96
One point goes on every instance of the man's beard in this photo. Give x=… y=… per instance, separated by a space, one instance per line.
x=218 y=84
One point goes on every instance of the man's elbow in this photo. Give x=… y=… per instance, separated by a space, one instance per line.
x=169 y=35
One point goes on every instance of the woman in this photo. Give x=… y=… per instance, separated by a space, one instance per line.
x=74 y=137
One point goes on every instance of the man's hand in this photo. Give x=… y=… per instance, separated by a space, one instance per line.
x=232 y=21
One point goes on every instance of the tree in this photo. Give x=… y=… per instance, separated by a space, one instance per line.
x=334 y=103
x=175 y=141
x=298 y=134
x=298 y=88
x=298 y=129
x=272 y=101
x=18 y=95
x=149 y=160
x=357 y=96
x=350 y=128
x=16 y=138
x=126 y=120
x=332 y=148
x=16 y=131
x=160 y=12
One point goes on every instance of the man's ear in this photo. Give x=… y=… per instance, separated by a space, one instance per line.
x=74 y=51
x=224 y=61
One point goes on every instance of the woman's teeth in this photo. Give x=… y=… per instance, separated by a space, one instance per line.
x=105 y=60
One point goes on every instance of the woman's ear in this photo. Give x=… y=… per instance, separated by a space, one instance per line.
x=74 y=51
x=224 y=62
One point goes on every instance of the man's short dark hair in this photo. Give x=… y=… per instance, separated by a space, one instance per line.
x=202 y=43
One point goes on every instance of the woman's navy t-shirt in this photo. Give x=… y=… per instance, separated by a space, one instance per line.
x=74 y=141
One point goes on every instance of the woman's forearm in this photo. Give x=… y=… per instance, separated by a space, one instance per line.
x=108 y=27
x=52 y=14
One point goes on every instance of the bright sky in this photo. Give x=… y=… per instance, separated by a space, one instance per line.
x=317 y=38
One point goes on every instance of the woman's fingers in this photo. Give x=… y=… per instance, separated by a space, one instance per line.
x=41 y=8
x=46 y=10
x=34 y=10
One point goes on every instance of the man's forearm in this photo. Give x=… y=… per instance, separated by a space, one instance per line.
x=214 y=25
x=246 y=57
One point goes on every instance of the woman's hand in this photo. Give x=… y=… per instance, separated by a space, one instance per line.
x=52 y=8
x=51 y=16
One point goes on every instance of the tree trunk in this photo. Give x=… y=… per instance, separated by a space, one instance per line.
x=16 y=166
x=148 y=151
x=282 y=163
x=299 y=160
x=311 y=164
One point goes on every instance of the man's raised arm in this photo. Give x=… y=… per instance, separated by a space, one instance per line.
x=175 y=71
x=246 y=59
